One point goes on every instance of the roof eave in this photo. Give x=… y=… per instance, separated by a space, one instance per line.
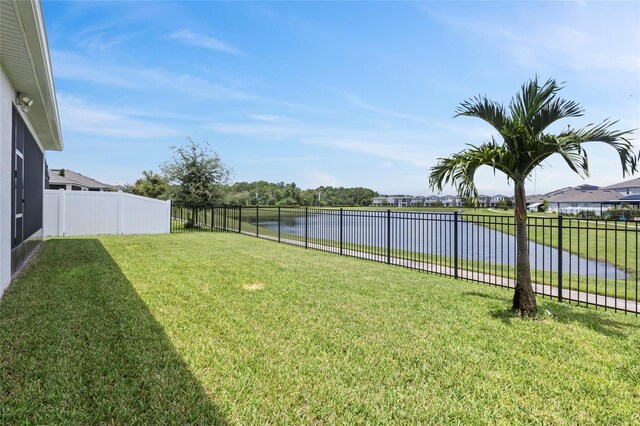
x=33 y=28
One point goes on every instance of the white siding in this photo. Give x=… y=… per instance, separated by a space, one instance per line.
x=76 y=213
x=6 y=101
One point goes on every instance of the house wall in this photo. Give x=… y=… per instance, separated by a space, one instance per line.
x=6 y=101
x=629 y=191
x=12 y=259
x=554 y=207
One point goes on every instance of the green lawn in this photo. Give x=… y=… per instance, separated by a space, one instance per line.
x=596 y=240
x=205 y=327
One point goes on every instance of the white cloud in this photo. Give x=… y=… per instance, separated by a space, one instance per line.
x=417 y=148
x=71 y=66
x=356 y=101
x=567 y=39
x=157 y=81
x=317 y=178
x=412 y=155
x=260 y=130
x=206 y=42
x=271 y=118
x=77 y=115
x=283 y=160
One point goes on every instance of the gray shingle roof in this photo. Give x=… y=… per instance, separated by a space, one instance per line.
x=74 y=178
x=578 y=195
x=633 y=183
x=536 y=198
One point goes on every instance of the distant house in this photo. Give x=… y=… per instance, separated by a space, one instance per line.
x=632 y=200
x=580 y=198
x=496 y=199
x=483 y=201
x=74 y=181
x=379 y=201
x=392 y=201
x=432 y=200
x=418 y=201
x=535 y=199
x=451 y=200
x=629 y=187
x=401 y=201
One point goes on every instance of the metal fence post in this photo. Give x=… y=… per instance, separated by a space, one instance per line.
x=257 y=220
x=306 y=227
x=455 y=245
x=279 y=220
x=389 y=236
x=560 y=258
x=213 y=217
x=225 y=218
x=341 y=229
x=240 y=219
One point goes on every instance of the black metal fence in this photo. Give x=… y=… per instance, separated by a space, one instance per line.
x=586 y=261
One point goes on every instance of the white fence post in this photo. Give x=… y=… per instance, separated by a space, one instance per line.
x=120 y=212
x=61 y=212
x=169 y=218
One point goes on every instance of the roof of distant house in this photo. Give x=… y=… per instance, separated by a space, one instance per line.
x=535 y=198
x=632 y=197
x=538 y=198
x=583 y=194
x=71 y=177
x=633 y=183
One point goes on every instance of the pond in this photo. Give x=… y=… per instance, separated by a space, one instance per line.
x=434 y=234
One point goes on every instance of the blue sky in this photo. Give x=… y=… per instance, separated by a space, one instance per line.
x=342 y=94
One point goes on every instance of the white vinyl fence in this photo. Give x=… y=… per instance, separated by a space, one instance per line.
x=75 y=213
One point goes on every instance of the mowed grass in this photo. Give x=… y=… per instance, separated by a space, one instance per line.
x=222 y=328
x=574 y=278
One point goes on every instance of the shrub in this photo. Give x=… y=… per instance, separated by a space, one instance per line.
x=544 y=206
x=587 y=214
x=622 y=213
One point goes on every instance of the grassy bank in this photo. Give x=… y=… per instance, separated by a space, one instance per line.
x=214 y=327
x=619 y=252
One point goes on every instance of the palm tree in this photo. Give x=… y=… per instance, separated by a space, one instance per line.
x=525 y=145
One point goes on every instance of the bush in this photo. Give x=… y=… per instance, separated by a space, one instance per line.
x=622 y=213
x=544 y=206
x=587 y=214
x=502 y=204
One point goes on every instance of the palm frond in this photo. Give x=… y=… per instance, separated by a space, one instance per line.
x=617 y=139
x=556 y=109
x=531 y=98
x=538 y=106
x=459 y=170
x=482 y=107
x=526 y=146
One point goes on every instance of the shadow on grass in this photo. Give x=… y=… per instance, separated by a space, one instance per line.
x=562 y=313
x=486 y=296
x=79 y=346
x=585 y=317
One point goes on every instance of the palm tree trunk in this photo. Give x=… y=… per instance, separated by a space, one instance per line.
x=524 y=299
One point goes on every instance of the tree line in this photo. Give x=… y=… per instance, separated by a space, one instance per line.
x=196 y=177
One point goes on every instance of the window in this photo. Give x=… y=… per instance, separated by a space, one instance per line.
x=28 y=182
